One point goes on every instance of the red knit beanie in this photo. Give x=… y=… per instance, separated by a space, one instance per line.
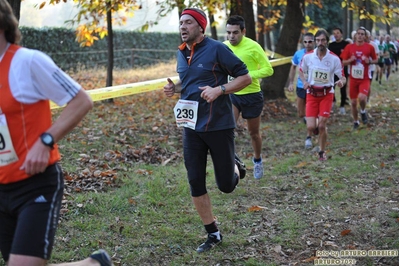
x=198 y=15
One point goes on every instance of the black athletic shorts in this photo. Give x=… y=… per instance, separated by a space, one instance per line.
x=220 y=145
x=249 y=105
x=387 y=61
x=29 y=212
x=301 y=93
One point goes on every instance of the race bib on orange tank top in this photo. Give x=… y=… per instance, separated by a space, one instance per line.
x=7 y=151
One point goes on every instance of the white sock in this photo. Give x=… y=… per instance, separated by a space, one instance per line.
x=217 y=234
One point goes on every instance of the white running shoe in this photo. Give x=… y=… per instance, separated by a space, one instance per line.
x=308 y=143
x=342 y=110
x=258 y=169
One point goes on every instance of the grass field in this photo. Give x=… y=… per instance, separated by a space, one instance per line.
x=127 y=190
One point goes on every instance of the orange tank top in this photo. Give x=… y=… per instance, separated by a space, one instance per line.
x=21 y=126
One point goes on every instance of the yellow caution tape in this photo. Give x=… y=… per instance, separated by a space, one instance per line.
x=124 y=90
x=273 y=54
x=281 y=61
x=144 y=86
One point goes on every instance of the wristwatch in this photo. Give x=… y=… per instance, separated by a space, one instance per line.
x=223 y=89
x=47 y=139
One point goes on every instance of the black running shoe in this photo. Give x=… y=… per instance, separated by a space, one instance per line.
x=102 y=257
x=322 y=156
x=210 y=243
x=241 y=166
x=355 y=125
x=364 y=118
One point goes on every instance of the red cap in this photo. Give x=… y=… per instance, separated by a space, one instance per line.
x=197 y=14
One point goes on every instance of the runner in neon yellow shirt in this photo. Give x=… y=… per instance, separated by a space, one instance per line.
x=249 y=101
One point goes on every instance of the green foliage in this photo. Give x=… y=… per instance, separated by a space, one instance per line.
x=327 y=17
x=132 y=48
x=94 y=17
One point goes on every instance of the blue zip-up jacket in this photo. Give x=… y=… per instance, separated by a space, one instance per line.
x=209 y=65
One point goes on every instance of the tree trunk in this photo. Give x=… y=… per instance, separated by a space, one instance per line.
x=248 y=16
x=350 y=21
x=235 y=8
x=367 y=23
x=16 y=7
x=362 y=22
x=388 y=26
x=110 y=44
x=266 y=41
x=245 y=9
x=261 y=25
x=214 y=33
x=346 y=29
x=273 y=87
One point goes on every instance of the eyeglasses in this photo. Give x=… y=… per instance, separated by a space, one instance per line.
x=307 y=41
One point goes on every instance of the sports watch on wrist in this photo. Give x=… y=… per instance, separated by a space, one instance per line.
x=223 y=89
x=47 y=139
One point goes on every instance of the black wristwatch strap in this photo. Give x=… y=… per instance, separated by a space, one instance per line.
x=47 y=139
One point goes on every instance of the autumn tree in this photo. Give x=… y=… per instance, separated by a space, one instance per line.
x=273 y=87
x=326 y=14
x=95 y=19
x=370 y=12
x=213 y=6
x=268 y=17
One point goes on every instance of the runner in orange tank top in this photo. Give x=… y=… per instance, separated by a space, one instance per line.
x=31 y=181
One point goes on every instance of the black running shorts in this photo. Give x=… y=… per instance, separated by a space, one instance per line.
x=29 y=212
x=249 y=105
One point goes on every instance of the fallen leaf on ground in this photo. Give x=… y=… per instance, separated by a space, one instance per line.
x=345 y=232
x=255 y=208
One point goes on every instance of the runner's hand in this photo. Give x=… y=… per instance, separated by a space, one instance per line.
x=339 y=83
x=209 y=93
x=37 y=159
x=169 y=89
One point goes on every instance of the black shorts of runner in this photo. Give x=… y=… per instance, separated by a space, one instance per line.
x=301 y=93
x=249 y=105
x=29 y=212
x=381 y=64
x=395 y=58
x=220 y=145
x=387 y=61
